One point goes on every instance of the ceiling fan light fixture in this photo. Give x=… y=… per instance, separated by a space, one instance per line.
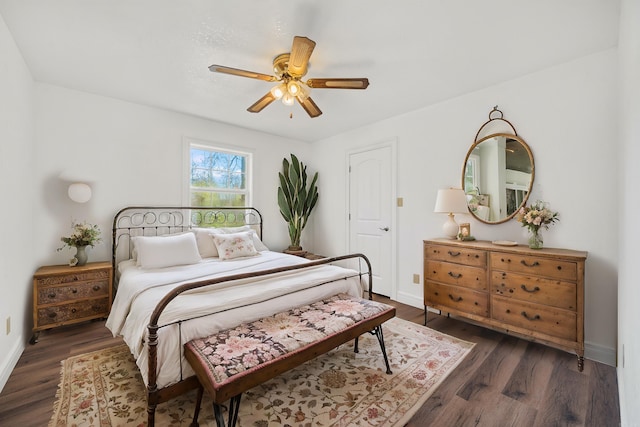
x=288 y=99
x=279 y=90
x=294 y=87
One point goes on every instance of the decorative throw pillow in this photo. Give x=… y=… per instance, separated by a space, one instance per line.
x=234 y=245
x=166 y=251
x=207 y=247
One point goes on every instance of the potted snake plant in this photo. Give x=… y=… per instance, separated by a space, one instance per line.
x=296 y=199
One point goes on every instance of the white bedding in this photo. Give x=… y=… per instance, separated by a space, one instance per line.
x=235 y=302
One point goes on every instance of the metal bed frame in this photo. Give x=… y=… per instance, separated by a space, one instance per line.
x=157 y=221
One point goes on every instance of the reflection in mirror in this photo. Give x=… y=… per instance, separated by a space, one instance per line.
x=497 y=177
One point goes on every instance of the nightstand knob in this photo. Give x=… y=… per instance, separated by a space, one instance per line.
x=52 y=295
x=96 y=288
x=73 y=310
x=74 y=291
x=53 y=314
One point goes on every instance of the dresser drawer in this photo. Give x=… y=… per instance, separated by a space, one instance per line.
x=533 y=265
x=555 y=293
x=456 y=274
x=464 y=256
x=534 y=317
x=81 y=276
x=73 y=311
x=57 y=294
x=461 y=299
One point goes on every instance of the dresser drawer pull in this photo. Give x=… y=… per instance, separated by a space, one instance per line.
x=455 y=275
x=455 y=299
x=74 y=291
x=96 y=288
x=52 y=295
x=73 y=310
x=451 y=253
x=526 y=316
x=52 y=314
x=524 y=288
x=526 y=264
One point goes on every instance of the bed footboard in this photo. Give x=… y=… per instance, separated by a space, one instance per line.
x=157 y=395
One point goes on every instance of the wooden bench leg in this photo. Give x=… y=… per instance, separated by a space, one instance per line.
x=234 y=406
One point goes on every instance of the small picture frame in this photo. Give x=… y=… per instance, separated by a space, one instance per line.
x=464 y=231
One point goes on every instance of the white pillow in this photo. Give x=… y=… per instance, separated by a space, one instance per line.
x=166 y=251
x=207 y=248
x=234 y=245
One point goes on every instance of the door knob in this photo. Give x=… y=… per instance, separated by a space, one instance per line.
x=384 y=228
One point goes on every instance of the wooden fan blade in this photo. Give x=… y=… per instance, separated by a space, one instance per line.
x=242 y=73
x=309 y=106
x=338 y=83
x=299 y=57
x=261 y=103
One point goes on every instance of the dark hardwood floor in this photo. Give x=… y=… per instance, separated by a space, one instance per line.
x=504 y=381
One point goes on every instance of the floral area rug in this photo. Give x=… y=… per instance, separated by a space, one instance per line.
x=340 y=388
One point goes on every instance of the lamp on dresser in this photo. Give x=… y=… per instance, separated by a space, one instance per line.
x=451 y=201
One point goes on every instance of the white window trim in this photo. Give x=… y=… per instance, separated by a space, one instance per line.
x=187 y=142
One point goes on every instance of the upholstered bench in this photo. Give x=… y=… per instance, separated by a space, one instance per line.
x=233 y=361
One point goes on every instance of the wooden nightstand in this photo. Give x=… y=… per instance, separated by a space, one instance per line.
x=63 y=295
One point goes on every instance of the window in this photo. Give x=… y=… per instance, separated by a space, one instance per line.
x=218 y=177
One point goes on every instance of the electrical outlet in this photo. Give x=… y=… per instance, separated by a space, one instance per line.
x=416 y=278
x=8 y=325
x=400 y=202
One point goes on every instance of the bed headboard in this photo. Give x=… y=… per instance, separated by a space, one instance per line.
x=160 y=220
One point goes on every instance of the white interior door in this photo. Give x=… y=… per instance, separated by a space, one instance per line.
x=371 y=204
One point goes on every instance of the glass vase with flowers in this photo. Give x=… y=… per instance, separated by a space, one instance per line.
x=536 y=217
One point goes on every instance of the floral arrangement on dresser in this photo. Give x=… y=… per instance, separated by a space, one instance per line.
x=83 y=235
x=535 y=217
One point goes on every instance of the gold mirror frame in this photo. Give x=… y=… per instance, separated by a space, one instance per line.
x=498 y=198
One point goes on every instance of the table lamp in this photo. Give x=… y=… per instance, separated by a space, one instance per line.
x=450 y=201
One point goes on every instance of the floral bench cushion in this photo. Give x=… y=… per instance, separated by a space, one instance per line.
x=252 y=346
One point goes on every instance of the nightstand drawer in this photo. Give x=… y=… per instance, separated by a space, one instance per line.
x=57 y=294
x=535 y=317
x=555 y=293
x=462 y=299
x=538 y=266
x=464 y=256
x=456 y=274
x=80 y=276
x=59 y=314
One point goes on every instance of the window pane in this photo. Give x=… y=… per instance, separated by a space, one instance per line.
x=218 y=178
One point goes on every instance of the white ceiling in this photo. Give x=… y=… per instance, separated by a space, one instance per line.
x=414 y=52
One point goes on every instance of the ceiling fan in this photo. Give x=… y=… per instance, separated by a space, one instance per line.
x=289 y=68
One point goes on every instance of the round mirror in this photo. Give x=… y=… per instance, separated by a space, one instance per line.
x=497 y=176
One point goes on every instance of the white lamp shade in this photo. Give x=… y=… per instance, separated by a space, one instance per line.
x=451 y=200
x=79 y=192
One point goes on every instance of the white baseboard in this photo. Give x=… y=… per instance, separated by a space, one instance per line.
x=10 y=362
x=410 y=299
x=599 y=353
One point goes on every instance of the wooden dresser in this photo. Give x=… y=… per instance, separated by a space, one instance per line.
x=533 y=294
x=63 y=295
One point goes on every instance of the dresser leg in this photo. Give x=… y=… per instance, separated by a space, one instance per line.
x=34 y=338
x=580 y=363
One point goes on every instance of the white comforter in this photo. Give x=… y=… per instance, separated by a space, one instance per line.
x=232 y=303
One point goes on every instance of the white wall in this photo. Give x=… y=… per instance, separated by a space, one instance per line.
x=132 y=154
x=16 y=193
x=567 y=115
x=629 y=289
